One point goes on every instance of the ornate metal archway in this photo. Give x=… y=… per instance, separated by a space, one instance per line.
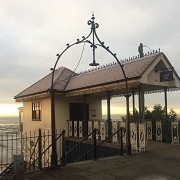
x=93 y=45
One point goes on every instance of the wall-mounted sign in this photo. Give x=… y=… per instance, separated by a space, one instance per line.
x=166 y=76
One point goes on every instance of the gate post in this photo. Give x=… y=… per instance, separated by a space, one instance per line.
x=63 y=161
x=39 y=150
x=18 y=167
x=121 y=141
x=95 y=144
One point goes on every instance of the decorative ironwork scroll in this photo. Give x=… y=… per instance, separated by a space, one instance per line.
x=90 y=128
x=80 y=129
x=75 y=128
x=103 y=129
x=70 y=128
x=96 y=125
x=142 y=136
x=122 y=124
x=133 y=135
x=149 y=130
x=114 y=129
x=158 y=131
x=175 y=133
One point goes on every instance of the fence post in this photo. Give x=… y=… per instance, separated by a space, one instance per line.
x=18 y=167
x=39 y=150
x=122 y=153
x=95 y=144
x=63 y=161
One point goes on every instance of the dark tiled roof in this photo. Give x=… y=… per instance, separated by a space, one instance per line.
x=61 y=77
x=110 y=73
x=66 y=80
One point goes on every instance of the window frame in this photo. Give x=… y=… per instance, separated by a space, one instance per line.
x=36 y=110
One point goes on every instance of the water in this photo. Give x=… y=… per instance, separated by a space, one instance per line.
x=113 y=117
x=9 y=140
x=9 y=125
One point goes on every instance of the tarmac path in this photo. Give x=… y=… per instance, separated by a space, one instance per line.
x=160 y=162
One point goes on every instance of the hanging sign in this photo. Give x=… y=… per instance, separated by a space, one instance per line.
x=166 y=76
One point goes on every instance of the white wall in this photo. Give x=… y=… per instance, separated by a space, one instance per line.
x=62 y=109
x=44 y=123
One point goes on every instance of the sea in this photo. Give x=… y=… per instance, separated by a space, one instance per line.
x=9 y=125
x=10 y=142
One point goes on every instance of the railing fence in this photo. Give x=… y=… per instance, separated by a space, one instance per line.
x=102 y=126
x=35 y=147
x=163 y=131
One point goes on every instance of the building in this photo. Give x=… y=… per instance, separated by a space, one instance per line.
x=79 y=96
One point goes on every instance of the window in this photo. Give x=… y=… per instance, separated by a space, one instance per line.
x=36 y=110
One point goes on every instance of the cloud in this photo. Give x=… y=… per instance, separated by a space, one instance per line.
x=32 y=32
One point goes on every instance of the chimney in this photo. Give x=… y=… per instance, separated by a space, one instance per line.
x=140 y=50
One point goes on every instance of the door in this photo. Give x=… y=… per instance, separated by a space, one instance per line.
x=77 y=114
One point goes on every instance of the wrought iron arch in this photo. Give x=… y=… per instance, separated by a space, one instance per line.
x=93 y=45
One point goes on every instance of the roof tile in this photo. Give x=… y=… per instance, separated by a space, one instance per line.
x=66 y=80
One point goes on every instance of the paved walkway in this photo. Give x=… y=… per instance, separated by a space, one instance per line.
x=160 y=162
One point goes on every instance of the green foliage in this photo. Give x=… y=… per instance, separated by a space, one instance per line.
x=148 y=113
x=158 y=113
x=172 y=115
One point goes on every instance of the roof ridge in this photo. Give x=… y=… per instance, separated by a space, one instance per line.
x=125 y=61
x=63 y=70
x=69 y=78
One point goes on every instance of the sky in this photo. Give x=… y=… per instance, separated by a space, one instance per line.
x=32 y=32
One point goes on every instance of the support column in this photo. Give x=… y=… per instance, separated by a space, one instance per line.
x=128 y=140
x=109 y=114
x=85 y=123
x=140 y=115
x=133 y=102
x=142 y=106
x=53 y=131
x=166 y=115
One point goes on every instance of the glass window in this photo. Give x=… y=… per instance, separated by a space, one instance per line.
x=36 y=110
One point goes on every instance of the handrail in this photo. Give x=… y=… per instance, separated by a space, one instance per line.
x=63 y=132
x=78 y=144
x=112 y=135
x=10 y=166
x=122 y=128
x=81 y=141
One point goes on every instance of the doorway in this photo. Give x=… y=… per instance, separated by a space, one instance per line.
x=77 y=114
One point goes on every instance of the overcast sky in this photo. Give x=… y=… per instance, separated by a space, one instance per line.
x=32 y=32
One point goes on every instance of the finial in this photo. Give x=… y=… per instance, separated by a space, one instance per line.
x=93 y=16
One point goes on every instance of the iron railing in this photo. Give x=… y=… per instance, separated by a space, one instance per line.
x=35 y=147
x=95 y=144
x=10 y=144
x=121 y=130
